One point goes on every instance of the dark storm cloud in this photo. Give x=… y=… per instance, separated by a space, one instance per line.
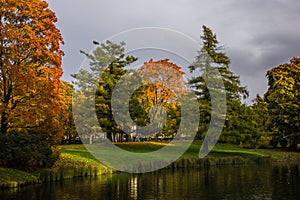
x=257 y=34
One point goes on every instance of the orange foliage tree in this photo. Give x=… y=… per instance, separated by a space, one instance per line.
x=163 y=83
x=30 y=65
x=166 y=81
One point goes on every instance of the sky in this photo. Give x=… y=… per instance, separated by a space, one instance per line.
x=257 y=35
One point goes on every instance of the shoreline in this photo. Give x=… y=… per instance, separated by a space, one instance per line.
x=81 y=164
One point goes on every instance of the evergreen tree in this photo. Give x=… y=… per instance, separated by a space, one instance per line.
x=211 y=57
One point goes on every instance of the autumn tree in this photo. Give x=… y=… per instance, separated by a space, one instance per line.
x=283 y=97
x=163 y=84
x=212 y=57
x=30 y=65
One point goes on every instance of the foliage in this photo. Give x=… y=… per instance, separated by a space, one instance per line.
x=30 y=67
x=108 y=61
x=25 y=151
x=282 y=98
x=210 y=58
x=163 y=85
x=166 y=81
x=67 y=121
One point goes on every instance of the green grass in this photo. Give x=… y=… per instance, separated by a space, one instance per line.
x=275 y=154
x=74 y=161
x=219 y=151
x=222 y=154
x=15 y=178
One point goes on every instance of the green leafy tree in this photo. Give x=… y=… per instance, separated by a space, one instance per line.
x=283 y=99
x=67 y=121
x=25 y=151
x=107 y=59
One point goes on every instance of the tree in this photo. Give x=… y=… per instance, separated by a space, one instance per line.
x=211 y=57
x=30 y=65
x=67 y=120
x=163 y=85
x=107 y=60
x=25 y=151
x=283 y=97
x=253 y=132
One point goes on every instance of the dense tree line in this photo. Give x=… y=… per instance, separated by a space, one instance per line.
x=272 y=119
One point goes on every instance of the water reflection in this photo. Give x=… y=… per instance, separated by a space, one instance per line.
x=245 y=182
x=133 y=187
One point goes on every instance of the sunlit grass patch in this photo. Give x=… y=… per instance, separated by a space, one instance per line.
x=71 y=164
x=141 y=147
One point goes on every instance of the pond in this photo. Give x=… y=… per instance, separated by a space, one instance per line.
x=226 y=182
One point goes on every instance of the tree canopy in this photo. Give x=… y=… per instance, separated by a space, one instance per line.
x=30 y=65
x=105 y=68
x=163 y=85
x=283 y=100
x=210 y=58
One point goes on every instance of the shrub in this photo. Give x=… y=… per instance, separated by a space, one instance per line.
x=274 y=142
x=25 y=151
x=264 y=141
x=283 y=142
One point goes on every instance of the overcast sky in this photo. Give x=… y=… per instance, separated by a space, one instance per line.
x=257 y=35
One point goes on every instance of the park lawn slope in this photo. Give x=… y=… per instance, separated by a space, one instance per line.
x=220 y=151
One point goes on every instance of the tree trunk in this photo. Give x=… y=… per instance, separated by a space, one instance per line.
x=91 y=139
x=4 y=124
x=109 y=136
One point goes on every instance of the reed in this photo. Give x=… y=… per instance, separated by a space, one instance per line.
x=201 y=163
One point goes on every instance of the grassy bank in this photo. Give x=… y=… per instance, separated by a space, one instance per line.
x=219 y=151
x=75 y=160
x=68 y=166
x=10 y=178
x=72 y=165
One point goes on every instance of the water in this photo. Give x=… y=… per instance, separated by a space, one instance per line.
x=244 y=182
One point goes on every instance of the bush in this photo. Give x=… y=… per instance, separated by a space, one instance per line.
x=274 y=142
x=25 y=151
x=283 y=142
x=264 y=141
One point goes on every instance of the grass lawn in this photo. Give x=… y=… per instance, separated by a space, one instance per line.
x=219 y=151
